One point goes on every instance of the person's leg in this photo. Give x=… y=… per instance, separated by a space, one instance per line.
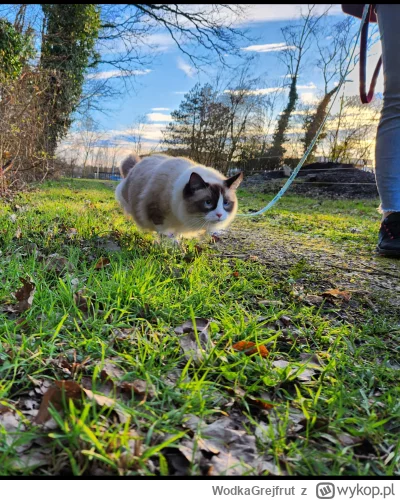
x=387 y=152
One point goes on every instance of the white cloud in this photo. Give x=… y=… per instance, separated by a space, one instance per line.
x=181 y=93
x=268 y=47
x=310 y=85
x=159 y=117
x=160 y=109
x=160 y=42
x=268 y=90
x=103 y=75
x=308 y=98
x=282 y=12
x=186 y=68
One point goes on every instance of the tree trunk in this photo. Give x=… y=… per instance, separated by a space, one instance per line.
x=277 y=150
x=315 y=123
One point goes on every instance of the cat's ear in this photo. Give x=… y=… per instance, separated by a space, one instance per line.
x=234 y=182
x=196 y=182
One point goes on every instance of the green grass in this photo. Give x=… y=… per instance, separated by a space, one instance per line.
x=151 y=291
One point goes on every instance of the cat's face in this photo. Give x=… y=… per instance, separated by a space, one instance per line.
x=211 y=204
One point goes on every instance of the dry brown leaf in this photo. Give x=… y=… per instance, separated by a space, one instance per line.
x=238 y=391
x=71 y=232
x=303 y=375
x=270 y=303
x=235 y=274
x=24 y=295
x=81 y=301
x=201 y=324
x=313 y=300
x=111 y=371
x=12 y=425
x=311 y=359
x=337 y=294
x=139 y=387
x=102 y=262
x=285 y=320
x=99 y=398
x=192 y=348
x=58 y=264
x=54 y=396
x=34 y=458
x=250 y=348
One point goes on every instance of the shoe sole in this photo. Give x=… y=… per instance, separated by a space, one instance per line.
x=387 y=253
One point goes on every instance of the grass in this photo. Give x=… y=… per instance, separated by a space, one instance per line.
x=342 y=420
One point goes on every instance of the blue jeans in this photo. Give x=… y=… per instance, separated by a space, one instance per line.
x=387 y=151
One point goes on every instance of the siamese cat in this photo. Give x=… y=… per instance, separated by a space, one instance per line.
x=176 y=197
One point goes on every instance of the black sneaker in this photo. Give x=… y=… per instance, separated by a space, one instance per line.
x=389 y=236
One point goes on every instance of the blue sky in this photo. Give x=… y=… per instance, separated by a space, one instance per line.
x=160 y=87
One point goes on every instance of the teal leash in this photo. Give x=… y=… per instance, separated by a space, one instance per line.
x=310 y=147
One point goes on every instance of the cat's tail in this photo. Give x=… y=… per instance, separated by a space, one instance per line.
x=128 y=164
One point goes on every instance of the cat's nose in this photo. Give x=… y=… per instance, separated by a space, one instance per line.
x=219 y=215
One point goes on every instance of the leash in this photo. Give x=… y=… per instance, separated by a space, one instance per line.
x=367 y=98
x=363 y=29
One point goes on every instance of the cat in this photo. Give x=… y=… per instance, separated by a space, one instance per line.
x=176 y=197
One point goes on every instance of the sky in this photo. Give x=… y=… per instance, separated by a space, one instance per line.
x=160 y=86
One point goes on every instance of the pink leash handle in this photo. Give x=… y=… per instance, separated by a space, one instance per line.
x=367 y=98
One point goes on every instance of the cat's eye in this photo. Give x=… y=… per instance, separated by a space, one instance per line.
x=208 y=203
x=226 y=203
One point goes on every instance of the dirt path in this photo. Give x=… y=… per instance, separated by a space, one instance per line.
x=324 y=264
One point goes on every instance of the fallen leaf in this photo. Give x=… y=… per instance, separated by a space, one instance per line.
x=302 y=374
x=285 y=320
x=24 y=295
x=102 y=262
x=235 y=274
x=201 y=325
x=139 y=387
x=110 y=246
x=33 y=459
x=81 y=301
x=337 y=294
x=313 y=300
x=11 y=424
x=187 y=338
x=348 y=440
x=54 y=396
x=250 y=348
x=237 y=452
x=270 y=303
x=311 y=359
x=58 y=264
x=18 y=233
x=271 y=468
x=71 y=232
x=100 y=399
x=110 y=371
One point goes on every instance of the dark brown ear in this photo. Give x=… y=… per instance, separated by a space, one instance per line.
x=196 y=182
x=234 y=182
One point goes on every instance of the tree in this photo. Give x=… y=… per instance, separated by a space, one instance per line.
x=69 y=35
x=214 y=125
x=298 y=42
x=350 y=133
x=333 y=61
x=15 y=50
